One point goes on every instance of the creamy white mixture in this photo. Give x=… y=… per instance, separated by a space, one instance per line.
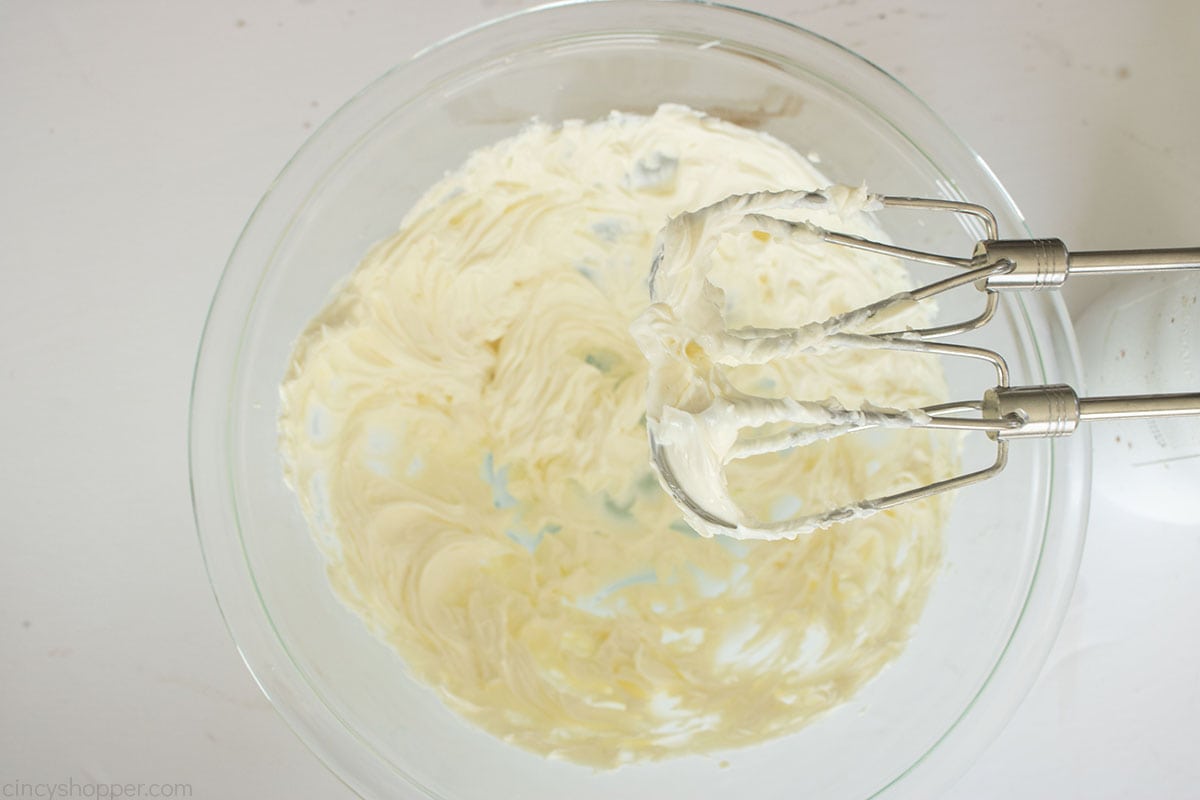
x=464 y=427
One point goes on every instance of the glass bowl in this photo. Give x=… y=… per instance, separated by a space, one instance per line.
x=1012 y=546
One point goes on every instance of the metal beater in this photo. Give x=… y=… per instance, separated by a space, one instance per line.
x=1004 y=412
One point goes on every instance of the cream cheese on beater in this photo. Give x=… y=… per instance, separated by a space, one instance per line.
x=693 y=337
x=464 y=427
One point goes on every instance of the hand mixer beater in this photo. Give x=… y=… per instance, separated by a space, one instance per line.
x=696 y=417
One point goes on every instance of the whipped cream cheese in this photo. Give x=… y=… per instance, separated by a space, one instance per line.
x=693 y=335
x=464 y=426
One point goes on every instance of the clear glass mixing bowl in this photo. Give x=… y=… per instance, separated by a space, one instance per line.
x=1012 y=546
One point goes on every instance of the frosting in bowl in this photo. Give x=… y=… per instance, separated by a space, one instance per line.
x=464 y=427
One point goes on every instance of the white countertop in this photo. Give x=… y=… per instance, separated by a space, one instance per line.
x=136 y=138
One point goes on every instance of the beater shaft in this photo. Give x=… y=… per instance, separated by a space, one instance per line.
x=1046 y=263
x=1110 y=262
x=1138 y=407
x=1022 y=412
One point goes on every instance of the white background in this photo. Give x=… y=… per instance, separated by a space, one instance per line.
x=136 y=137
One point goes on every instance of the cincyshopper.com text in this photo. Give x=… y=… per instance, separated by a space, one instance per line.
x=72 y=788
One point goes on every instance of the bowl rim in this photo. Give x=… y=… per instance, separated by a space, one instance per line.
x=333 y=741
